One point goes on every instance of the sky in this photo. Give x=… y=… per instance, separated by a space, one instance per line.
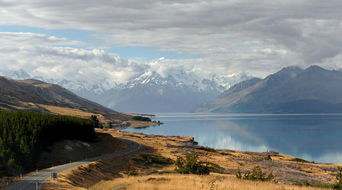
x=114 y=40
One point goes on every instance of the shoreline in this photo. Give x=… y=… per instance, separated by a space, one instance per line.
x=287 y=169
x=222 y=149
x=196 y=145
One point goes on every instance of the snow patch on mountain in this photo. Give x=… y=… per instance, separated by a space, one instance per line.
x=178 y=90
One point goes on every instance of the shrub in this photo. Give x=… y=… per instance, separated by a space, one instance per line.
x=190 y=165
x=153 y=159
x=110 y=124
x=338 y=185
x=132 y=173
x=256 y=175
x=299 y=160
x=95 y=121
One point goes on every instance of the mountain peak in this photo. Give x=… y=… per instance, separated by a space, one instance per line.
x=292 y=70
x=315 y=68
x=283 y=75
x=291 y=90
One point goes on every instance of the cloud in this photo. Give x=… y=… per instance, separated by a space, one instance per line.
x=225 y=36
x=51 y=58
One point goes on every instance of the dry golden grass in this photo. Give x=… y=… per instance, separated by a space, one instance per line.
x=111 y=173
x=191 y=182
x=283 y=166
x=83 y=114
x=70 y=111
x=103 y=117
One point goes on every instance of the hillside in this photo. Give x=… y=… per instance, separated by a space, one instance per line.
x=24 y=135
x=291 y=90
x=35 y=95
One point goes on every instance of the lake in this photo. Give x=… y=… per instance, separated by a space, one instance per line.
x=313 y=137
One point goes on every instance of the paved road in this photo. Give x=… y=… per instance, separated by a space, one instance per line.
x=36 y=179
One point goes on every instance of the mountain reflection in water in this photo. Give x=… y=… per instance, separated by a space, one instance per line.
x=314 y=137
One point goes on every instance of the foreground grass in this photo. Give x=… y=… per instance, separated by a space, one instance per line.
x=193 y=182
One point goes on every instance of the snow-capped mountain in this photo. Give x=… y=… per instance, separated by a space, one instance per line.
x=151 y=92
x=180 y=80
x=15 y=74
x=148 y=92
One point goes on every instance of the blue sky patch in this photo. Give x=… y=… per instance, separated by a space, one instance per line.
x=140 y=53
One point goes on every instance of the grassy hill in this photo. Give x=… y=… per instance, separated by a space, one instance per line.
x=35 y=95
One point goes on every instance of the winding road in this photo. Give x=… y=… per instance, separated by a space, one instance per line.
x=35 y=180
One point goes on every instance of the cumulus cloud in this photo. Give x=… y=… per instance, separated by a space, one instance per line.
x=225 y=36
x=49 y=57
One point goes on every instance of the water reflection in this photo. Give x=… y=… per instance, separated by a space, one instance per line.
x=312 y=137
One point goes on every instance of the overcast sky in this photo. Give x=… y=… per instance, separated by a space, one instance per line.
x=117 y=39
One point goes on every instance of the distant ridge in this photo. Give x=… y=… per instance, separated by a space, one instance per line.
x=29 y=94
x=290 y=90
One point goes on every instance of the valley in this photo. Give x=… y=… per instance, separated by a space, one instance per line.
x=154 y=165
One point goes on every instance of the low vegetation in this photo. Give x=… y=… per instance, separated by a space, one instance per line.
x=191 y=165
x=95 y=121
x=338 y=185
x=256 y=174
x=24 y=135
x=299 y=160
x=149 y=159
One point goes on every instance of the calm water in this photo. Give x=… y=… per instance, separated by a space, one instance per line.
x=312 y=137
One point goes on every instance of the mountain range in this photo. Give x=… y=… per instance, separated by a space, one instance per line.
x=148 y=92
x=290 y=90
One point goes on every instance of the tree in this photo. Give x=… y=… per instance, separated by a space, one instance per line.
x=110 y=124
x=95 y=121
x=24 y=135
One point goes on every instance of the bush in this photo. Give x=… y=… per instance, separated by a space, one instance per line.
x=132 y=173
x=256 y=175
x=338 y=185
x=95 y=121
x=190 y=165
x=149 y=159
